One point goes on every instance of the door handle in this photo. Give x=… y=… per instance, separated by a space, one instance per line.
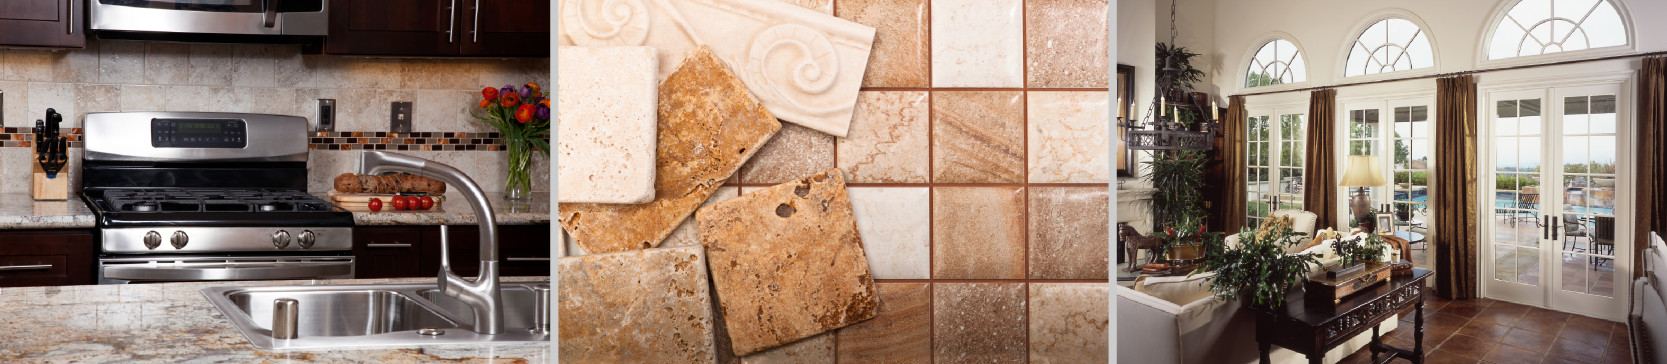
x=475 y=31
x=271 y=10
x=451 y=20
x=1545 y=228
x=1556 y=234
x=71 y=29
x=27 y=267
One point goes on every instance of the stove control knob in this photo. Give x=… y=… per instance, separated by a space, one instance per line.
x=280 y=239
x=153 y=240
x=305 y=239
x=179 y=240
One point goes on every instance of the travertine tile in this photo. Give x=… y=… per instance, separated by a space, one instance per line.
x=445 y=110
x=823 y=6
x=142 y=98
x=793 y=153
x=16 y=101
x=764 y=40
x=708 y=125
x=901 y=55
x=978 y=137
x=900 y=333
x=80 y=65
x=1068 y=322
x=606 y=134
x=58 y=96
x=812 y=350
x=1069 y=233
x=95 y=98
x=167 y=63
x=255 y=65
x=29 y=65
x=978 y=232
x=894 y=225
x=688 y=233
x=121 y=61
x=1068 y=137
x=648 y=305
x=211 y=65
x=1065 y=43
x=787 y=262
x=977 y=43
x=888 y=137
x=978 y=322
x=451 y=74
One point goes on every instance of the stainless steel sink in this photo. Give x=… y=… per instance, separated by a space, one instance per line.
x=372 y=315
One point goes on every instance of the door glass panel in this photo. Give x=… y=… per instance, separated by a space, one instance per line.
x=1588 y=151
x=1574 y=273
x=1516 y=229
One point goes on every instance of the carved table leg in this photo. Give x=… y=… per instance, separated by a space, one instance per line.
x=1375 y=346
x=1264 y=349
x=1418 y=331
x=1316 y=358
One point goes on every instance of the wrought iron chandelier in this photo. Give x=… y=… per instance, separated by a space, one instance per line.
x=1167 y=132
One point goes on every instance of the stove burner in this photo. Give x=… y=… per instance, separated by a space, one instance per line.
x=211 y=200
x=144 y=207
x=268 y=207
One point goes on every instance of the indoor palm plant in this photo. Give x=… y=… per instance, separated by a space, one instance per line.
x=1179 y=175
x=522 y=117
x=1258 y=267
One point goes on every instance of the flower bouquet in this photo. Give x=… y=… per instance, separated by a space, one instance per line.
x=522 y=117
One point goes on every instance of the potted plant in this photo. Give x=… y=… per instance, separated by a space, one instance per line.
x=1258 y=267
x=1183 y=244
x=1178 y=175
x=1354 y=253
x=1184 y=75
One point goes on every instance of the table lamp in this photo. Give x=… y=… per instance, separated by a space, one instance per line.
x=1361 y=172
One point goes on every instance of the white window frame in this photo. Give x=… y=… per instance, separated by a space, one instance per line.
x=1273 y=112
x=1367 y=22
x=1386 y=104
x=1250 y=56
x=1504 y=7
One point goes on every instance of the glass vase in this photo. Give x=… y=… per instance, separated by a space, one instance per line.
x=518 y=184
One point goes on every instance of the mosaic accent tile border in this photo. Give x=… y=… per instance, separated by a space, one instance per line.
x=22 y=137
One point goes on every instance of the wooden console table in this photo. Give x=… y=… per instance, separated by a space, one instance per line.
x=1313 y=331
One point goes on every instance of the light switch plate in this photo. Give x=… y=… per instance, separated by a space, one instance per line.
x=326 y=115
x=399 y=118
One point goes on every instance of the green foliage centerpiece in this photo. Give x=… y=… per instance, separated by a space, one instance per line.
x=1258 y=266
x=522 y=117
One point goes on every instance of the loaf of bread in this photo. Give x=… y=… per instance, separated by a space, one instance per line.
x=393 y=183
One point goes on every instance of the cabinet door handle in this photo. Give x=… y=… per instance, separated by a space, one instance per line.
x=475 y=32
x=394 y=245
x=451 y=21
x=26 y=267
x=71 y=29
x=521 y=259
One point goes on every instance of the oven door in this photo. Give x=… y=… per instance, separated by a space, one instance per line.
x=261 y=17
x=198 y=268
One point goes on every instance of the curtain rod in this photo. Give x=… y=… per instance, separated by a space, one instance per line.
x=1450 y=74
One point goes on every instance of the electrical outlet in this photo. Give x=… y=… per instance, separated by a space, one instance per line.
x=326 y=115
x=399 y=118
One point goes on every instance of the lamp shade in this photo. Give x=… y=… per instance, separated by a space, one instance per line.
x=1362 y=171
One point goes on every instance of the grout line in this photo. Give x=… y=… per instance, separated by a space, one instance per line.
x=1024 y=193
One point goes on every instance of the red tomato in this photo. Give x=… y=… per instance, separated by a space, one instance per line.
x=375 y=204
x=426 y=202
x=400 y=203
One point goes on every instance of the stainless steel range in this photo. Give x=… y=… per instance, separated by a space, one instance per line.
x=191 y=196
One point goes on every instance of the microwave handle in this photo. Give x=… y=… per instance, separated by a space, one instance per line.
x=271 y=7
x=71 y=29
x=451 y=26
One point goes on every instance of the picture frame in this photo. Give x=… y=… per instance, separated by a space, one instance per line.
x=1385 y=223
x=1125 y=110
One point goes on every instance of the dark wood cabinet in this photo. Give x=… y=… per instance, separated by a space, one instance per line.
x=43 y=23
x=46 y=257
x=414 y=251
x=386 y=252
x=503 y=28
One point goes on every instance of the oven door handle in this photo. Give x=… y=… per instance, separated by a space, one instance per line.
x=270 y=8
x=288 y=270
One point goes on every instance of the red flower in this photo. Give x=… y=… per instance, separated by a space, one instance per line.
x=524 y=113
x=510 y=99
x=485 y=103
x=489 y=93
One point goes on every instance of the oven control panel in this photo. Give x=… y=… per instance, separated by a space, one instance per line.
x=156 y=240
x=198 y=133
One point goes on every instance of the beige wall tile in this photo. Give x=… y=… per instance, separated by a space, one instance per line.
x=795 y=152
x=142 y=98
x=894 y=224
x=57 y=96
x=31 y=64
x=978 y=137
x=901 y=56
x=888 y=137
x=254 y=65
x=901 y=331
x=978 y=232
x=1067 y=137
x=167 y=63
x=79 y=65
x=977 y=43
x=211 y=65
x=811 y=350
x=1069 y=232
x=16 y=98
x=121 y=61
x=96 y=98
x=978 y=322
x=1065 y=43
x=686 y=233
x=1068 y=322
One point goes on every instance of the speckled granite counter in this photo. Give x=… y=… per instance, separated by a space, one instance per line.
x=455 y=211
x=173 y=322
x=19 y=211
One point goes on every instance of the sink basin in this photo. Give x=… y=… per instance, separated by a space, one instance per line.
x=371 y=315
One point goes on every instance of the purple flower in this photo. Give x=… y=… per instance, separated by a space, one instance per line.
x=526 y=92
x=543 y=112
x=510 y=90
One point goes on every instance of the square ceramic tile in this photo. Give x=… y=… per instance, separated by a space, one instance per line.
x=643 y=305
x=978 y=137
x=901 y=54
x=978 y=232
x=211 y=65
x=893 y=222
x=121 y=61
x=1067 y=132
x=1069 y=234
x=900 y=333
x=686 y=233
x=607 y=108
x=167 y=63
x=888 y=137
x=1065 y=43
x=1068 y=322
x=977 y=43
x=795 y=152
x=978 y=322
x=817 y=349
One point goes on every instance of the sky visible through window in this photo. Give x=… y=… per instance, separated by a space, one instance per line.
x=1389 y=45
x=1278 y=62
x=1535 y=27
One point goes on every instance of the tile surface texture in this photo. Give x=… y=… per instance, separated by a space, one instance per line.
x=805 y=65
x=787 y=262
x=648 y=304
x=895 y=220
x=901 y=55
x=978 y=233
x=795 y=152
x=687 y=233
x=1068 y=322
x=708 y=126
x=606 y=126
x=888 y=137
x=1069 y=228
x=978 y=137
x=978 y=323
x=812 y=350
x=1067 y=133
x=900 y=333
x=977 y=43
x=1065 y=43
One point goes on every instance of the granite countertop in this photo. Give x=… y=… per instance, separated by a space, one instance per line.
x=20 y=211
x=173 y=322
x=455 y=211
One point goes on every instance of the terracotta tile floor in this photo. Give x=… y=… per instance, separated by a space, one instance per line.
x=1489 y=331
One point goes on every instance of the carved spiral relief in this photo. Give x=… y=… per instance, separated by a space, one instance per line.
x=606 y=22
x=793 y=63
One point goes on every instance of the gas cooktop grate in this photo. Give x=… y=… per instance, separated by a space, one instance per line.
x=211 y=200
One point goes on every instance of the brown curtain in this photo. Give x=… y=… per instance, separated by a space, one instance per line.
x=1233 y=206
x=1652 y=156
x=1454 y=196
x=1319 y=193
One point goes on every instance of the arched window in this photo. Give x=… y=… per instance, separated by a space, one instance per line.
x=1535 y=27
x=1277 y=62
x=1389 y=45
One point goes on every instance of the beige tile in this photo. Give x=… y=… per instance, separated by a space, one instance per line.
x=16 y=99
x=1067 y=132
x=1065 y=43
x=31 y=64
x=167 y=63
x=78 y=65
x=211 y=65
x=978 y=137
x=687 y=234
x=894 y=225
x=1068 y=322
x=447 y=110
x=292 y=69
x=442 y=74
x=281 y=101
x=823 y=6
x=96 y=98
x=255 y=65
x=185 y=98
x=888 y=138
x=978 y=232
x=378 y=73
x=900 y=333
x=142 y=98
x=607 y=134
x=794 y=153
x=977 y=43
x=1069 y=235
x=901 y=55
x=57 y=96
x=812 y=350
x=121 y=61
x=649 y=305
x=978 y=322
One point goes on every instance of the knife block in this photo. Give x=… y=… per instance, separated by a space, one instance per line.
x=43 y=188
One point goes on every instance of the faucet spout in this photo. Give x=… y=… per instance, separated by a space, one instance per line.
x=482 y=294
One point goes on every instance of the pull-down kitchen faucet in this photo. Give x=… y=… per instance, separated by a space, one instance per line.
x=483 y=293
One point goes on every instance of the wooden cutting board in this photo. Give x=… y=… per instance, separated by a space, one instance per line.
x=361 y=201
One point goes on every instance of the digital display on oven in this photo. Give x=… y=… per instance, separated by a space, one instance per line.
x=198 y=133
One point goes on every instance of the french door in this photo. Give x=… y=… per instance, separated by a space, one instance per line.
x=1398 y=132
x=1552 y=237
x=1275 y=149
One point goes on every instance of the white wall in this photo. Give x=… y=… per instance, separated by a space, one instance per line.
x=1135 y=39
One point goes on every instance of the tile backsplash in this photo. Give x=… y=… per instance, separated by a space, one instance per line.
x=119 y=75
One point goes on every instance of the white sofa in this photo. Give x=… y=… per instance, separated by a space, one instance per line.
x=1301 y=221
x=1647 y=319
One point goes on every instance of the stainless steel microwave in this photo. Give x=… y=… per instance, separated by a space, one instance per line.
x=228 y=17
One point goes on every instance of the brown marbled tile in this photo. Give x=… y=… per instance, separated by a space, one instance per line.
x=900 y=56
x=708 y=125
x=795 y=152
x=978 y=233
x=647 y=305
x=1069 y=233
x=900 y=333
x=978 y=137
x=787 y=262
x=1068 y=322
x=888 y=137
x=1065 y=43
x=812 y=350
x=978 y=323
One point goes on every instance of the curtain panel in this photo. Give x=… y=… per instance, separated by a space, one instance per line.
x=1319 y=193
x=1454 y=188
x=1235 y=127
x=1652 y=156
